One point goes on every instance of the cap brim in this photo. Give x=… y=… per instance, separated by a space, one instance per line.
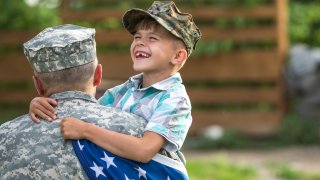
x=132 y=17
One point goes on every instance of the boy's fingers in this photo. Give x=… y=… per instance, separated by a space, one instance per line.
x=52 y=101
x=34 y=118
x=48 y=109
x=43 y=115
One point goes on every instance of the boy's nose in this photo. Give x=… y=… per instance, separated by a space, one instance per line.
x=140 y=42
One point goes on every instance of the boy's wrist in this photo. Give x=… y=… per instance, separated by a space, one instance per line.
x=87 y=131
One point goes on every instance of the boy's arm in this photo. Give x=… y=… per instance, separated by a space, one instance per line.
x=42 y=107
x=130 y=147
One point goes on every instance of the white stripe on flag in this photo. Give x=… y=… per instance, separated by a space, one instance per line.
x=170 y=162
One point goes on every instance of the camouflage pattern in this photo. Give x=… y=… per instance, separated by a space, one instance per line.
x=38 y=151
x=169 y=16
x=61 y=47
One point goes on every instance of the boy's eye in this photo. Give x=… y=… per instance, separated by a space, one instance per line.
x=136 y=37
x=152 y=38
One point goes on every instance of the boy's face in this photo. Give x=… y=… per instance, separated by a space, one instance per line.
x=153 y=50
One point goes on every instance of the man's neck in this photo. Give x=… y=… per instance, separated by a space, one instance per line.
x=91 y=91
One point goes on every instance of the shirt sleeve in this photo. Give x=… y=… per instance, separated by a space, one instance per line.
x=171 y=119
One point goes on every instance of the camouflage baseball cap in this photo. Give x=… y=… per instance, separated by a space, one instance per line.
x=169 y=16
x=61 y=47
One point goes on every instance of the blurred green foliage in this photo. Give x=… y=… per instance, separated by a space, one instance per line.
x=298 y=130
x=304 y=22
x=16 y=14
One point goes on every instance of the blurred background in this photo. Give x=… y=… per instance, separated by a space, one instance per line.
x=253 y=79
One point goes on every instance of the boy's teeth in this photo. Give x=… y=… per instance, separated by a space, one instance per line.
x=142 y=54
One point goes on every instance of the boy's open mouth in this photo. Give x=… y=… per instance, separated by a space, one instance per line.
x=141 y=54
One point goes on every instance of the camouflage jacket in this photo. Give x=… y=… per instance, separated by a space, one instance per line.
x=38 y=151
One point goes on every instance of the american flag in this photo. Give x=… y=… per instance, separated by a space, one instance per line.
x=101 y=164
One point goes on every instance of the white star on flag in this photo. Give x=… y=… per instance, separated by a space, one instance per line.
x=126 y=177
x=97 y=170
x=80 y=146
x=108 y=160
x=141 y=172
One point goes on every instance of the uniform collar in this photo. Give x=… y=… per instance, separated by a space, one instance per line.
x=136 y=81
x=73 y=95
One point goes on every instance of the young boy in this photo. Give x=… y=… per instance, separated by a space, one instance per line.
x=163 y=40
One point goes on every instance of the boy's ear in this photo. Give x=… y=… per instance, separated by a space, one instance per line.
x=180 y=57
x=38 y=85
x=97 y=75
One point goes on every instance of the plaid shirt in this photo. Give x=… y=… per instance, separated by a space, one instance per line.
x=165 y=105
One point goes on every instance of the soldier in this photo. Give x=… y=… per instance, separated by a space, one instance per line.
x=66 y=69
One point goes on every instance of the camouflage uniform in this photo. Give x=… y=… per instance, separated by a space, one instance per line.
x=31 y=151
x=61 y=47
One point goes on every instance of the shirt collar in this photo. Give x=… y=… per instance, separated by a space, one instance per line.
x=74 y=95
x=162 y=85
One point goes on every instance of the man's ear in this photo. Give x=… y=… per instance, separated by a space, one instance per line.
x=38 y=85
x=97 y=75
x=180 y=57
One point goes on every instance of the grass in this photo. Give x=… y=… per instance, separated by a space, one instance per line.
x=218 y=169
x=286 y=172
x=222 y=169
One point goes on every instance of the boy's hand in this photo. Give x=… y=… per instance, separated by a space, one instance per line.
x=42 y=107
x=72 y=128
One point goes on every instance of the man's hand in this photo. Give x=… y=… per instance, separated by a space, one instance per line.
x=72 y=128
x=42 y=107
